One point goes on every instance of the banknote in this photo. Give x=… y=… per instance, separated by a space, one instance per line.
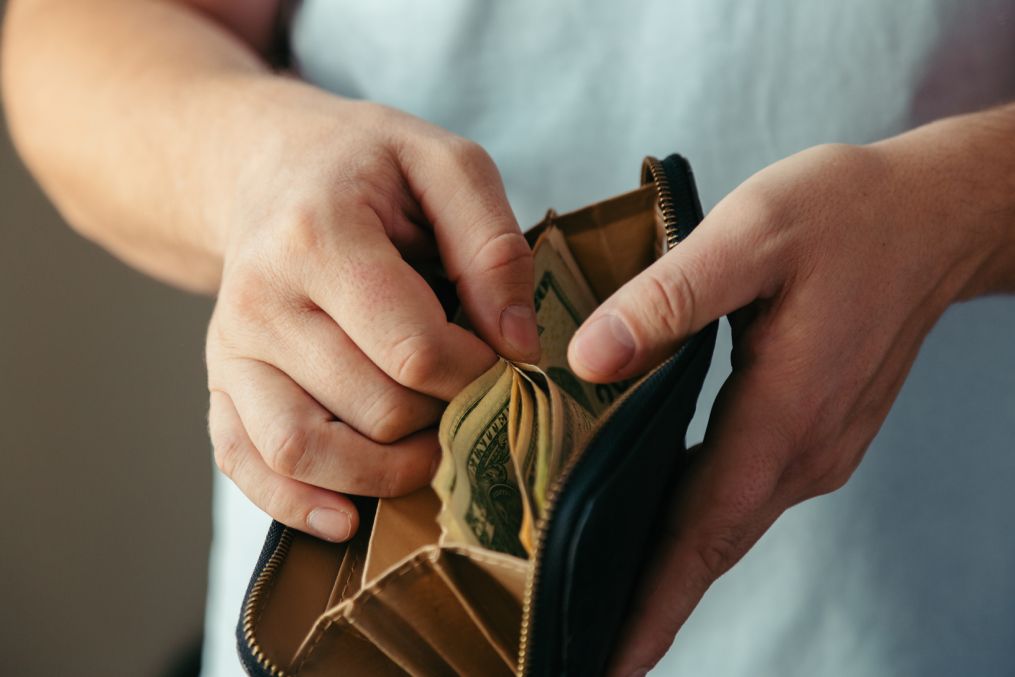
x=476 y=480
x=524 y=427
x=510 y=433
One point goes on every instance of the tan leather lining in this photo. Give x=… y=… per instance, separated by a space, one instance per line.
x=496 y=610
x=614 y=240
x=298 y=595
x=401 y=526
x=341 y=644
x=392 y=601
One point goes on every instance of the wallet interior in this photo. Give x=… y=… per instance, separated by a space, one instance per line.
x=392 y=600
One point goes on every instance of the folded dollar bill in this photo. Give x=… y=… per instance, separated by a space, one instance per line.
x=509 y=434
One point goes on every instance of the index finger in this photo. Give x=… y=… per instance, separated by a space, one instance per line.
x=483 y=250
x=393 y=316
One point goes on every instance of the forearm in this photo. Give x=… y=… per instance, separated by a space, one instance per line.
x=132 y=115
x=960 y=173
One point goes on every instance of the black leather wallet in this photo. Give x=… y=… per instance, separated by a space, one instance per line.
x=397 y=600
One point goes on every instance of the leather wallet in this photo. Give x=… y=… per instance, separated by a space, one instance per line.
x=395 y=601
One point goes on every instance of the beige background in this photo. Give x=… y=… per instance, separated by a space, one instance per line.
x=106 y=469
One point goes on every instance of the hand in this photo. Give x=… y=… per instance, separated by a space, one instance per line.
x=329 y=357
x=834 y=263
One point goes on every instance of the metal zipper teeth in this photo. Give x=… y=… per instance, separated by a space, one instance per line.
x=533 y=580
x=250 y=608
x=664 y=196
x=551 y=502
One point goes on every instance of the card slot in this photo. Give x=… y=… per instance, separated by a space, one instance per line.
x=402 y=526
x=363 y=616
x=296 y=596
x=397 y=639
x=349 y=576
x=415 y=616
x=339 y=643
x=496 y=610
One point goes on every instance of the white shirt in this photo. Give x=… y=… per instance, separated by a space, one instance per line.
x=908 y=570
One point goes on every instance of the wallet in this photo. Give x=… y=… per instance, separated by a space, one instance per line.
x=394 y=600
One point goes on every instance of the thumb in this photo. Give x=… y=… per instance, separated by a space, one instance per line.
x=482 y=247
x=712 y=273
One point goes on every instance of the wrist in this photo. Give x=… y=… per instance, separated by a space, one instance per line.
x=268 y=139
x=957 y=177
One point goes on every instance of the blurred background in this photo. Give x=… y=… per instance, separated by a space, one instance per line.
x=105 y=485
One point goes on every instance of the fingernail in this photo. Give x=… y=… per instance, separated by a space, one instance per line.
x=518 y=327
x=330 y=524
x=604 y=346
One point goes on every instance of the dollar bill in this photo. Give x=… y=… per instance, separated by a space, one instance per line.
x=512 y=431
x=523 y=434
x=563 y=302
x=476 y=481
x=569 y=427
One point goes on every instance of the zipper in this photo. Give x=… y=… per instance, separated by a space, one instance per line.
x=250 y=608
x=653 y=170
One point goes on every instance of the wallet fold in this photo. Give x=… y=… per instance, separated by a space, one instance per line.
x=395 y=600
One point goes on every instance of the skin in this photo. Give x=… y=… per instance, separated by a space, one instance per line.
x=328 y=356
x=834 y=265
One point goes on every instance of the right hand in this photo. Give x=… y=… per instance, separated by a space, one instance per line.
x=329 y=357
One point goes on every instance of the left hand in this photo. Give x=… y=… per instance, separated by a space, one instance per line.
x=835 y=263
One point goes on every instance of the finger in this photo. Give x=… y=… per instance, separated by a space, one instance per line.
x=715 y=271
x=391 y=314
x=323 y=513
x=324 y=361
x=482 y=247
x=666 y=599
x=727 y=499
x=298 y=438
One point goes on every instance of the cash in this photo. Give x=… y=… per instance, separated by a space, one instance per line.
x=510 y=433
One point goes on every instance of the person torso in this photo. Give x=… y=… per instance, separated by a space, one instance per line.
x=907 y=570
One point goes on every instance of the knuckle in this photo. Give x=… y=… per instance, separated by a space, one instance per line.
x=216 y=345
x=388 y=417
x=278 y=503
x=301 y=230
x=831 y=481
x=811 y=466
x=833 y=478
x=288 y=451
x=228 y=453
x=382 y=480
x=839 y=153
x=659 y=637
x=370 y=183
x=502 y=252
x=718 y=553
x=244 y=295
x=819 y=472
x=668 y=301
x=416 y=361
x=468 y=153
x=806 y=475
x=761 y=205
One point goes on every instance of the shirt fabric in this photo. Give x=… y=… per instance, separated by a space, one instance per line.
x=910 y=568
